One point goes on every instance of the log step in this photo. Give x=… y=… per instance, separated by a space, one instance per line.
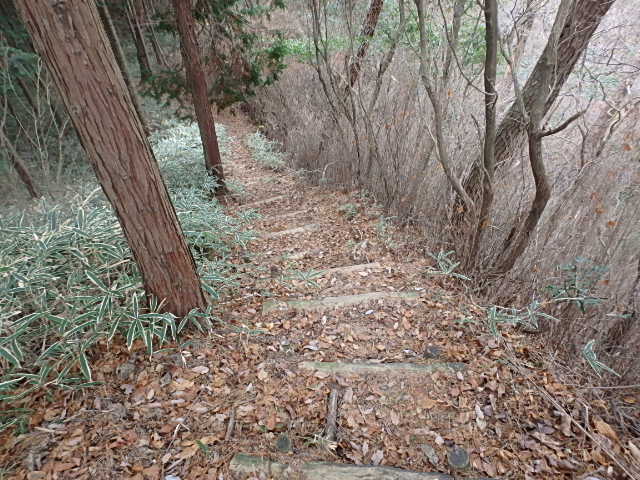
x=335 y=302
x=285 y=215
x=264 y=202
x=245 y=466
x=352 y=268
x=292 y=231
x=383 y=368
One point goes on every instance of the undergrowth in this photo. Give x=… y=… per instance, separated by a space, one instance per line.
x=266 y=152
x=68 y=281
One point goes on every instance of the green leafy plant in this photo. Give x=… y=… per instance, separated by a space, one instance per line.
x=69 y=284
x=576 y=283
x=266 y=152
x=384 y=230
x=349 y=210
x=445 y=265
x=590 y=356
x=308 y=277
x=528 y=317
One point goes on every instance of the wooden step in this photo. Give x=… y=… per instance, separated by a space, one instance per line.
x=300 y=255
x=352 y=268
x=383 y=368
x=284 y=215
x=245 y=466
x=264 y=202
x=335 y=302
x=292 y=231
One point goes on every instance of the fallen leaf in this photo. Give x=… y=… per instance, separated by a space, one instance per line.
x=565 y=426
x=200 y=369
x=605 y=429
x=377 y=457
x=188 y=452
x=635 y=451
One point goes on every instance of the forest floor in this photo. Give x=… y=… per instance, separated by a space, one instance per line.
x=342 y=343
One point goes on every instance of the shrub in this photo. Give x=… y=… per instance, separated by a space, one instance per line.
x=68 y=280
x=266 y=152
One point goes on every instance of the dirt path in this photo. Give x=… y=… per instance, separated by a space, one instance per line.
x=337 y=345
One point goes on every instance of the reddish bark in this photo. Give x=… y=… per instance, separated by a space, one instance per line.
x=73 y=44
x=198 y=86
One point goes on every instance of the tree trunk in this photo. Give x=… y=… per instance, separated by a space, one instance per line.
x=490 y=99
x=438 y=117
x=388 y=56
x=574 y=26
x=543 y=193
x=122 y=63
x=157 y=51
x=73 y=44
x=198 y=86
x=368 y=29
x=137 y=30
x=18 y=165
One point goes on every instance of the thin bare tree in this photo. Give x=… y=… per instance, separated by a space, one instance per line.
x=122 y=63
x=575 y=24
x=490 y=99
x=18 y=165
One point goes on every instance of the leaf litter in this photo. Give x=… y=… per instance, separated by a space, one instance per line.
x=184 y=412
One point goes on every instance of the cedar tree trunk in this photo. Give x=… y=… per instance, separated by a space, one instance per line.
x=198 y=86
x=72 y=42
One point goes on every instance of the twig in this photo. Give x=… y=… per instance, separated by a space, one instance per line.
x=544 y=394
x=230 y=425
x=562 y=126
x=597 y=387
x=332 y=415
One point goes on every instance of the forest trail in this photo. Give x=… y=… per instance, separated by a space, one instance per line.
x=341 y=343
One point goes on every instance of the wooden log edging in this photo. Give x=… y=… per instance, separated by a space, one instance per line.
x=243 y=466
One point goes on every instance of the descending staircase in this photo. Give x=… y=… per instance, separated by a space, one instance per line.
x=290 y=224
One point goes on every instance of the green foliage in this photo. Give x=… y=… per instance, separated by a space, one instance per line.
x=446 y=265
x=472 y=41
x=266 y=152
x=577 y=282
x=238 y=57
x=528 y=317
x=590 y=356
x=307 y=277
x=69 y=283
x=349 y=210
x=384 y=230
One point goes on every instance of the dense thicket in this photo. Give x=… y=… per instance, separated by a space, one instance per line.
x=546 y=215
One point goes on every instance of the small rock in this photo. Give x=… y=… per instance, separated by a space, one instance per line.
x=126 y=371
x=432 y=351
x=458 y=458
x=118 y=410
x=430 y=453
x=165 y=379
x=283 y=443
x=37 y=475
x=172 y=477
